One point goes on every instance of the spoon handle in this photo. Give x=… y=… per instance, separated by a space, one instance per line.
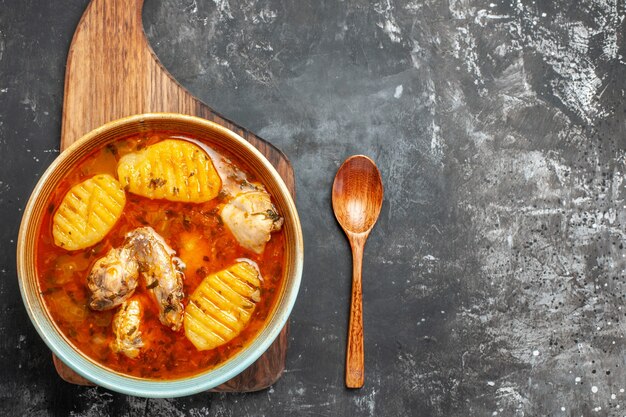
x=355 y=369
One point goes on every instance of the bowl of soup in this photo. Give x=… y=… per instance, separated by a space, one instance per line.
x=160 y=255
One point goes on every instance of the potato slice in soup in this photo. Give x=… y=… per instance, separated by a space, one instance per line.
x=174 y=170
x=88 y=212
x=221 y=306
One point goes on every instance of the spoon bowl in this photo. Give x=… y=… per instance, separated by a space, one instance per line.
x=357 y=194
x=357 y=199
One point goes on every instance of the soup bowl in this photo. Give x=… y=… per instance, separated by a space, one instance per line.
x=181 y=125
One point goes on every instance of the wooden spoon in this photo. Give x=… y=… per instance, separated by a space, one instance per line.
x=357 y=199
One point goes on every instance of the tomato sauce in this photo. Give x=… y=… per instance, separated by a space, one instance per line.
x=200 y=239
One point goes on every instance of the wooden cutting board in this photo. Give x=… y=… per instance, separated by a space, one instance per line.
x=112 y=72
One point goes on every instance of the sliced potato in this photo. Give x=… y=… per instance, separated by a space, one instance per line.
x=221 y=306
x=88 y=212
x=174 y=170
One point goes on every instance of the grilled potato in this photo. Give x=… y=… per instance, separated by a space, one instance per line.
x=174 y=170
x=221 y=306
x=88 y=212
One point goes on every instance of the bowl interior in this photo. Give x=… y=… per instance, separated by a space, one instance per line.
x=177 y=125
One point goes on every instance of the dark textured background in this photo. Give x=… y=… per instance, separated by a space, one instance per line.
x=494 y=280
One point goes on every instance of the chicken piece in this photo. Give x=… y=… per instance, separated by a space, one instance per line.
x=251 y=217
x=234 y=180
x=163 y=272
x=112 y=279
x=126 y=329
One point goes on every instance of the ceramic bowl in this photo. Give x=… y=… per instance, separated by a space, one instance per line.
x=28 y=235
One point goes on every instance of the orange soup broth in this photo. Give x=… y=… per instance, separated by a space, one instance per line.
x=200 y=239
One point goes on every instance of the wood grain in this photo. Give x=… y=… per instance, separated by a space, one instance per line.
x=357 y=198
x=112 y=72
x=355 y=355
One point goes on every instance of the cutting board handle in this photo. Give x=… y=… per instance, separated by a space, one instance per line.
x=112 y=72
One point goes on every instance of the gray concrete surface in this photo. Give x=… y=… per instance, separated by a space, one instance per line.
x=494 y=281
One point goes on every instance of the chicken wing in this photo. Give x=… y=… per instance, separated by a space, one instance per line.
x=126 y=329
x=163 y=272
x=112 y=279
